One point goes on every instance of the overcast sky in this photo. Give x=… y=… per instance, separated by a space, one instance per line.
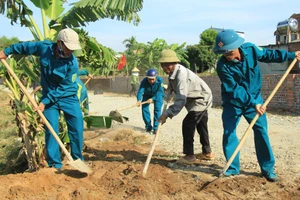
x=179 y=21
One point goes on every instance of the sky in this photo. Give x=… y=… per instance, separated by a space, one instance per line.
x=179 y=21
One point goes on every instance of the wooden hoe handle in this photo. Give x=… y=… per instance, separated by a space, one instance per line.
x=256 y=117
x=39 y=111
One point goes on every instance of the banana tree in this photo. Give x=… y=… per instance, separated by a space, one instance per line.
x=94 y=55
x=181 y=53
x=152 y=54
x=80 y=14
x=133 y=54
x=29 y=126
x=54 y=18
x=145 y=56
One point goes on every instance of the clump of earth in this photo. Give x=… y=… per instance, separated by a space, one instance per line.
x=117 y=157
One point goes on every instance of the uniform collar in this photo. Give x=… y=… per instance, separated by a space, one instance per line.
x=53 y=48
x=243 y=52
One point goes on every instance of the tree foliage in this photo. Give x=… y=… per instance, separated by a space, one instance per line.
x=5 y=42
x=94 y=56
x=145 y=56
x=207 y=42
x=201 y=56
x=80 y=14
x=193 y=52
x=54 y=18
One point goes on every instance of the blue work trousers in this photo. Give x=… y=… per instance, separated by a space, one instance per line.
x=231 y=116
x=73 y=115
x=146 y=113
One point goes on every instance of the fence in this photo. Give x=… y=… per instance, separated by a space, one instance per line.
x=287 y=97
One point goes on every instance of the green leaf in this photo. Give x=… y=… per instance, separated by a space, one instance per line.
x=85 y=11
x=55 y=9
x=43 y=4
x=93 y=44
x=29 y=72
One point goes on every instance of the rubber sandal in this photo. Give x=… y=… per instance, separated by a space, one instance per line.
x=207 y=156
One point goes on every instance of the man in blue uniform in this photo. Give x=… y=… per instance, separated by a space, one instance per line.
x=241 y=80
x=193 y=94
x=58 y=68
x=82 y=91
x=151 y=90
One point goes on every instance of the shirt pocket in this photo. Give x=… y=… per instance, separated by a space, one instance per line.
x=45 y=67
x=59 y=73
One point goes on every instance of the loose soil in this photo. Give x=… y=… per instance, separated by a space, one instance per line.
x=117 y=157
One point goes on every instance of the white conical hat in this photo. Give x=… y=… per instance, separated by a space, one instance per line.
x=135 y=70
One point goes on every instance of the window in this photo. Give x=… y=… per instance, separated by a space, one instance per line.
x=293 y=37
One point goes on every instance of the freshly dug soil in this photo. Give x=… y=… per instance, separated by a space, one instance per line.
x=117 y=157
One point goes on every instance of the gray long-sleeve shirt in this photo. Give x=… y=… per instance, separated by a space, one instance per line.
x=191 y=91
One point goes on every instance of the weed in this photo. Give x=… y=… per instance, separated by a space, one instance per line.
x=10 y=144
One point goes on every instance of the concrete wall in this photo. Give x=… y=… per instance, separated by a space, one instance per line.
x=280 y=68
x=287 y=97
x=274 y=68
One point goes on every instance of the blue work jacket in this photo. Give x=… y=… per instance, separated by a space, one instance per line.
x=81 y=72
x=58 y=75
x=154 y=91
x=81 y=87
x=242 y=81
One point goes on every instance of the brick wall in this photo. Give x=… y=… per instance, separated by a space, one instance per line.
x=287 y=98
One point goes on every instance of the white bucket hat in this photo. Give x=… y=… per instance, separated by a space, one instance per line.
x=70 y=38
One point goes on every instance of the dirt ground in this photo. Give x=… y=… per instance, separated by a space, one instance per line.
x=117 y=157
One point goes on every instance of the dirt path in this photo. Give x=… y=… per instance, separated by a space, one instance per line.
x=117 y=157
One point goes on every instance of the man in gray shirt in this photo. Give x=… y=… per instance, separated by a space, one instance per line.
x=193 y=93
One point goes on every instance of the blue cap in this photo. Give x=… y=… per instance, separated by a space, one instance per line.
x=227 y=40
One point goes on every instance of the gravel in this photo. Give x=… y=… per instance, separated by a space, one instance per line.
x=284 y=132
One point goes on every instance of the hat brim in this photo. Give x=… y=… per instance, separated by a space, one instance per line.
x=72 y=46
x=167 y=60
x=151 y=77
x=230 y=47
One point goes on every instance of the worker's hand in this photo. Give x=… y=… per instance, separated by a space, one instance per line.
x=162 y=119
x=298 y=55
x=150 y=101
x=41 y=107
x=91 y=76
x=2 y=55
x=260 y=109
x=138 y=104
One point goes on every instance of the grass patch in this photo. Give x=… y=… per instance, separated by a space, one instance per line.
x=130 y=136
x=9 y=140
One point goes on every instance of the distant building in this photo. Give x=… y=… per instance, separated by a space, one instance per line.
x=288 y=31
x=287 y=38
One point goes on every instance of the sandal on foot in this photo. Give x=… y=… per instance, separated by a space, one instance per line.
x=205 y=156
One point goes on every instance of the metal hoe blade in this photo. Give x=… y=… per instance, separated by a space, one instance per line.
x=116 y=116
x=80 y=166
